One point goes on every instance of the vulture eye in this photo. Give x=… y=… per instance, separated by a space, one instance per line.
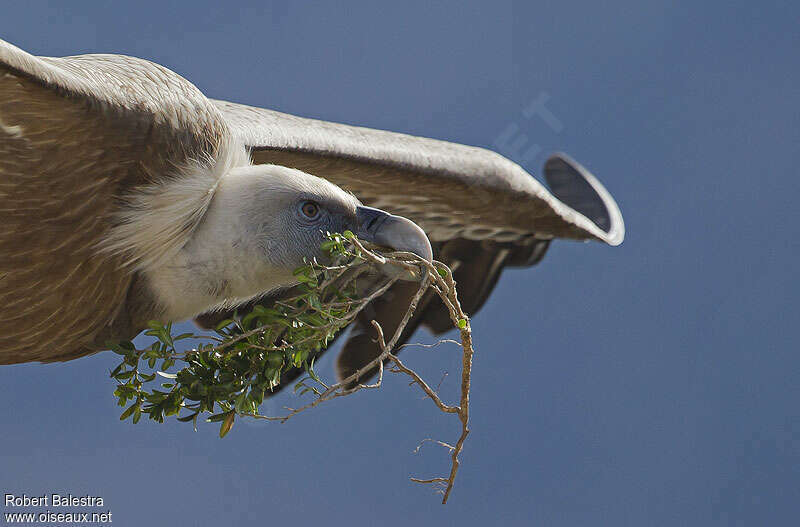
x=310 y=210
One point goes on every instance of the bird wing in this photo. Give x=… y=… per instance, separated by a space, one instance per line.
x=450 y=190
x=76 y=135
x=481 y=211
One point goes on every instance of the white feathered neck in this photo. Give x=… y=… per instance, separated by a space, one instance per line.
x=158 y=220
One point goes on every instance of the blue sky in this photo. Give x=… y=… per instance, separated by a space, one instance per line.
x=655 y=383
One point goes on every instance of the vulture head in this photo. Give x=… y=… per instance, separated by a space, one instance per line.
x=262 y=223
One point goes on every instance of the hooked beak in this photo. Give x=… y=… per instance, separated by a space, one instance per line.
x=398 y=233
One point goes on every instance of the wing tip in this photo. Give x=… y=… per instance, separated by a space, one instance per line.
x=573 y=184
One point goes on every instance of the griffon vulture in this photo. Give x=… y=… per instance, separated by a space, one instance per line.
x=126 y=195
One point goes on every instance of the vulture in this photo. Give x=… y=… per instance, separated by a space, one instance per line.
x=126 y=196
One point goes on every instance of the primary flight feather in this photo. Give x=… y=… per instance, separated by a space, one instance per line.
x=126 y=195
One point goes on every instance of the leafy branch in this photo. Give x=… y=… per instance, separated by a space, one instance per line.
x=231 y=372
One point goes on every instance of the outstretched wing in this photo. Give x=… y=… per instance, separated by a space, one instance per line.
x=450 y=190
x=76 y=135
x=481 y=211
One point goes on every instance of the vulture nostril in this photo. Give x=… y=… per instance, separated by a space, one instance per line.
x=372 y=219
x=371 y=222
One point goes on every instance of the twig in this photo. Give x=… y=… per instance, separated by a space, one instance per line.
x=440 y=443
x=438 y=277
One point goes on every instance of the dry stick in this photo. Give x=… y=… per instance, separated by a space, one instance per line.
x=440 y=443
x=456 y=315
x=445 y=288
x=433 y=345
x=448 y=296
x=411 y=373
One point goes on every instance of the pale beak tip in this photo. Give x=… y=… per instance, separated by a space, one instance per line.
x=396 y=232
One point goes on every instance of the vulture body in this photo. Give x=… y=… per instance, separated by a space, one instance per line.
x=121 y=185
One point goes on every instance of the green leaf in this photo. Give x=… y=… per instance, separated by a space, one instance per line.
x=129 y=411
x=187 y=418
x=462 y=323
x=227 y=424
